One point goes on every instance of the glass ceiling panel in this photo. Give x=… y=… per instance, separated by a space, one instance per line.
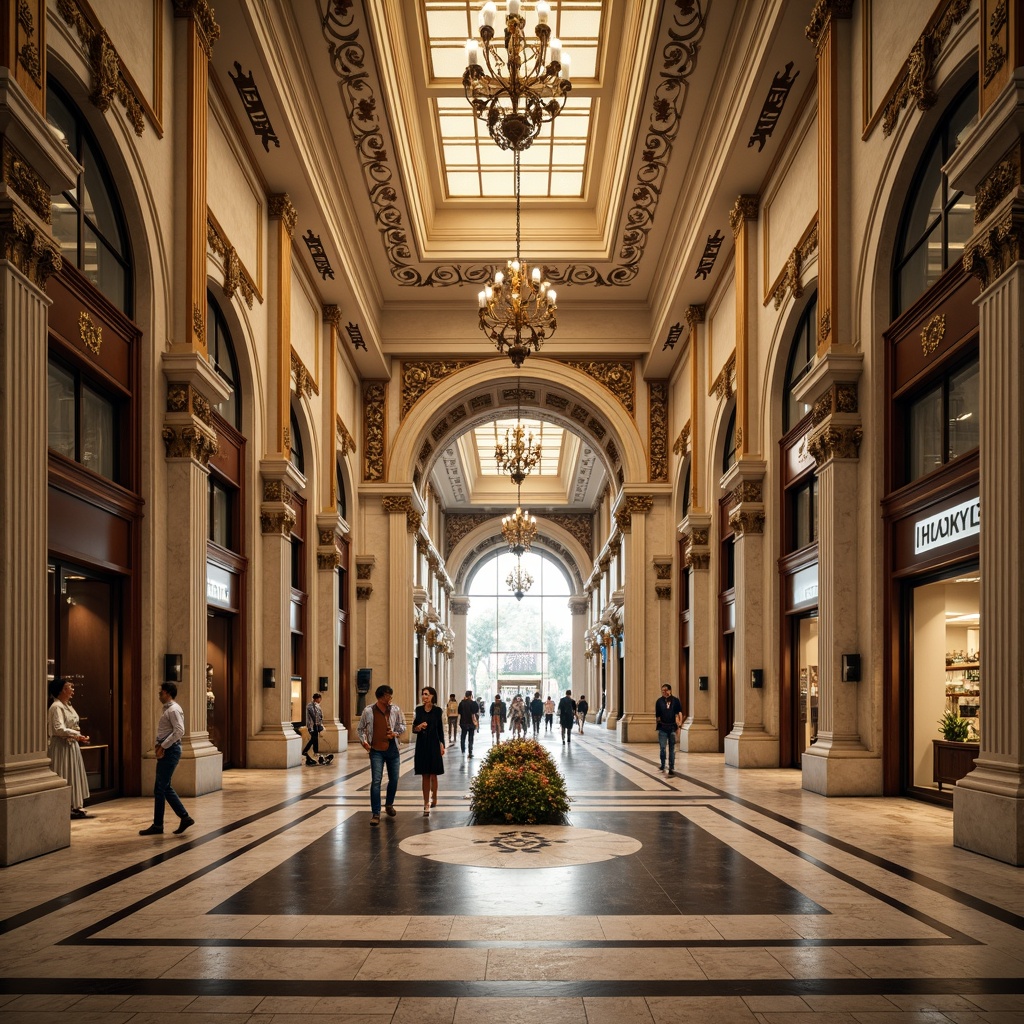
x=547 y=435
x=465 y=144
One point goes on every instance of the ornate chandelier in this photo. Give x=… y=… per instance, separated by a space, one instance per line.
x=519 y=529
x=519 y=454
x=519 y=580
x=517 y=309
x=516 y=94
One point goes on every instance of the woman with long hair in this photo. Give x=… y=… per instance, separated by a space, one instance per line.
x=428 y=759
x=63 y=729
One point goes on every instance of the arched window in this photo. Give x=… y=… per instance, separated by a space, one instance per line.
x=342 y=497
x=686 y=488
x=938 y=219
x=297 y=458
x=87 y=218
x=801 y=359
x=222 y=356
x=729 y=455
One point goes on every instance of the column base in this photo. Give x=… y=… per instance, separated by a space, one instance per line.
x=751 y=747
x=36 y=822
x=274 y=748
x=200 y=770
x=988 y=813
x=842 y=770
x=637 y=728
x=699 y=737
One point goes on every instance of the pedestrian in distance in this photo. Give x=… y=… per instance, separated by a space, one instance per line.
x=567 y=716
x=582 y=707
x=536 y=713
x=469 y=720
x=428 y=758
x=668 y=715
x=65 y=742
x=549 y=714
x=314 y=726
x=380 y=725
x=452 y=711
x=498 y=713
x=169 y=731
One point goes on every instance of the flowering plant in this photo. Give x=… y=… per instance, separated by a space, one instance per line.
x=518 y=784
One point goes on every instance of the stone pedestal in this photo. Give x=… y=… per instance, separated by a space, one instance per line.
x=699 y=733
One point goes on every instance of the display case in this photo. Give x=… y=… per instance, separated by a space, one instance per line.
x=963 y=688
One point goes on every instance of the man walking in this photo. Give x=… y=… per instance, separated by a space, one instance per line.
x=567 y=716
x=379 y=728
x=668 y=714
x=469 y=720
x=315 y=726
x=536 y=711
x=169 y=731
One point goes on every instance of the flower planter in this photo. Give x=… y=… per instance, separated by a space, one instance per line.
x=951 y=761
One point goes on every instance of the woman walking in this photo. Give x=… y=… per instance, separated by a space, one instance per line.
x=428 y=759
x=498 y=712
x=65 y=743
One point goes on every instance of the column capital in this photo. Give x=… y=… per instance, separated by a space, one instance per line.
x=201 y=14
x=822 y=16
x=745 y=208
x=460 y=605
x=279 y=207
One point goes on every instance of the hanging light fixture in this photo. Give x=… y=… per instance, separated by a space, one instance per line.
x=519 y=454
x=517 y=309
x=519 y=580
x=519 y=529
x=517 y=94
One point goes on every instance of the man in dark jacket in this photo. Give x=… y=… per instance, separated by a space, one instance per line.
x=469 y=720
x=567 y=715
x=668 y=714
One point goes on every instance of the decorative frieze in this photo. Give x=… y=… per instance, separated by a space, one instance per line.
x=328 y=561
x=658 y=402
x=835 y=442
x=841 y=397
x=616 y=377
x=747 y=520
x=183 y=398
x=747 y=491
x=374 y=394
x=998 y=184
x=403 y=503
x=277 y=521
x=992 y=251
x=418 y=378
x=995 y=41
x=188 y=441
x=682 y=443
x=21 y=178
x=457 y=526
x=791 y=281
x=579 y=524
x=236 y=276
x=304 y=383
x=276 y=490
x=723 y=385
x=30 y=249
x=633 y=504
x=346 y=442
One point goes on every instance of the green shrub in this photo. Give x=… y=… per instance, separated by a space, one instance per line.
x=954 y=728
x=518 y=784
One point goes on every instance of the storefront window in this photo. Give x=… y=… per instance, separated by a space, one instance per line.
x=221 y=353
x=806 y=644
x=943 y=423
x=801 y=359
x=946 y=674
x=82 y=423
x=805 y=513
x=729 y=455
x=220 y=513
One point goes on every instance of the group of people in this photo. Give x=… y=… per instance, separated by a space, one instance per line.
x=379 y=728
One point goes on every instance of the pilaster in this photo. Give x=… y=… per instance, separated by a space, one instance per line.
x=405 y=514
x=460 y=678
x=578 y=609
x=282 y=227
x=34 y=802
x=329 y=530
x=190 y=440
x=273 y=743
x=700 y=733
x=742 y=218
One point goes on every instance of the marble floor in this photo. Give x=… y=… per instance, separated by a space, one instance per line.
x=717 y=895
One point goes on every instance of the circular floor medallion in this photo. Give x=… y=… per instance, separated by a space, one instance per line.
x=527 y=846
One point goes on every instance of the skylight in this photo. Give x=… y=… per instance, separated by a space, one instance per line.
x=547 y=435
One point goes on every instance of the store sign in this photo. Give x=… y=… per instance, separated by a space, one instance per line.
x=219 y=587
x=952 y=525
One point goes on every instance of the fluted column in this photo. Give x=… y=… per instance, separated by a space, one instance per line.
x=700 y=732
x=404 y=518
x=579 y=608
x=988 y=803
x=460 y=679
x=330 y=529
x=34 y=802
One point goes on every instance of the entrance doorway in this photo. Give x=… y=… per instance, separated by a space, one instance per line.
x=83 y=646
x=805 y=684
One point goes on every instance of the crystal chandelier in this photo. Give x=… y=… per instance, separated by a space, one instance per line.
x=516 y=94
x=517 y=309
x=519 y=454
x=519 y=529
x=519 y=580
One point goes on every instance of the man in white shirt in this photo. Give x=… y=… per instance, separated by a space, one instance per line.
x=169 y=731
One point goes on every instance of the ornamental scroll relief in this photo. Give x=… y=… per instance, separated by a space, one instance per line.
x=419 y=378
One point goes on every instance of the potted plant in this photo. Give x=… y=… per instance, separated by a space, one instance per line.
x=954 y=729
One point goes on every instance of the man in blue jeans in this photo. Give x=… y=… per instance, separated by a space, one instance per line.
x=379 y=728
x=668 y=714
x=169 y=731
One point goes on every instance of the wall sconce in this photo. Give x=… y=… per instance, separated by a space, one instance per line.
x=172 y=668
x=269 y=678
x=756 y=678
x=850 y=668
x=322 y=682
x=702 y=682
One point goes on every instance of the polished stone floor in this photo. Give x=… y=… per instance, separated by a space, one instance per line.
x=716 y=896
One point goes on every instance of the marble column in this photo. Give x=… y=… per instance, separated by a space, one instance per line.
x=460 y=679
x=193 y=386
x=34 y=802
x=328 y=630
x=405 y=514
x=700 y=732
x=579 y=607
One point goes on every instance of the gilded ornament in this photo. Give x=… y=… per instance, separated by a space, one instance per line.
x=616 y=377
x=198 y=323
x=682 y=442
x=419 y=378
x=346 y=442
x=824 y=325
x=694 y=315
x=457 y=526
x=663 y=592
x=658 y=401
x=1002 y=180
x=846 y=398
x=426 y=450
x=822 y=14
x=396 y=503
x=663 y=570
x=277 y=521
x=747 y=490
x=236 y=277
x=326 y=537
x=745 y=208
x=932 y=333
x=332 y=316
x=374 y=393
x=698 y=560
x=996 y=249
x=304 y=383
x=580 y=525
x=364 y=570
x=90 y=333
x=32 y=251
x=995 y=53
x=201 y=13
x=25 y=182
x=189 y=442
x=835 y=443
x=700 y=537
x=747 y=521
x=328 y=560
x=363 y=593
x=177 y=397
x=723 y=385
x=279 y=206
x=276 y=490
x=612 y=450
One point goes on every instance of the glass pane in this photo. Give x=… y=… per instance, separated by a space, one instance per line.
x=65 y=227
x=914 y=277
x=925 y=430
x=98 y=436
x=807 y=677
x=803 y=513
x=220 y=515
x=927 y=203
x=959 y=226
x=963 y=411
x=103 y=268
x=96 y=202
x=60 y=411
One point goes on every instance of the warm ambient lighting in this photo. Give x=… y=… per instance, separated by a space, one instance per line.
x=519 y=454
x=516 y=94
x=519 y=581
x=519 y=529
x=517 y=309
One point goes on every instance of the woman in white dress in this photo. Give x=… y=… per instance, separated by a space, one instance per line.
x=66 y=740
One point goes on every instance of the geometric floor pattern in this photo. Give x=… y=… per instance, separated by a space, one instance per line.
x=719 y=895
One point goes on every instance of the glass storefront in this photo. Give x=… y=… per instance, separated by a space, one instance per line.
x=805 y=644
x=946 y=680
